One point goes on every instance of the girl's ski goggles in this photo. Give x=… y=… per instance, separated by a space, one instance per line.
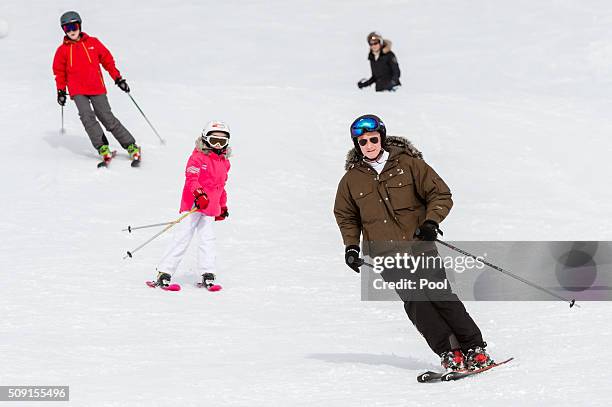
x=70 y=27
x=217 y=141
x=365 y=125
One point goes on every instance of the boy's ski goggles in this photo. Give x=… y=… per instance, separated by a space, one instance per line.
x=217 y=141
x=364 y=141
x=70 y=27
x=365 y=125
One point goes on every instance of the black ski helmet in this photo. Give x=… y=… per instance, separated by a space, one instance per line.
x=70 y=17
x=365 y=124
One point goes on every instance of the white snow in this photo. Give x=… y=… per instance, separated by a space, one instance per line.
x=509 y=100
x=4 y=28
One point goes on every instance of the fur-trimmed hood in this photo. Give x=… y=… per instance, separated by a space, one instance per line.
x=201 y=146
x=393 y=144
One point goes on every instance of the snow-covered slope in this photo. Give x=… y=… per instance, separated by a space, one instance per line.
x=509 y=101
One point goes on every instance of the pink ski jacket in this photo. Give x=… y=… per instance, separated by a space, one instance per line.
x=206 y=170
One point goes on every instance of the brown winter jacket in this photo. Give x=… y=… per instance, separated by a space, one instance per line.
x=391 y=205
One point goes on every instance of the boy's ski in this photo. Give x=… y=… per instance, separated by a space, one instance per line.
x=452 y=376
x=106 y=161
x=171 y=287
x=136 y=161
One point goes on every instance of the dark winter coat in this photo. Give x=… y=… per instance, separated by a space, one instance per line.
x=385 y=69
x=391 y=205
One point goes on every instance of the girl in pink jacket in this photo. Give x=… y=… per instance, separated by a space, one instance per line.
x=204 y=189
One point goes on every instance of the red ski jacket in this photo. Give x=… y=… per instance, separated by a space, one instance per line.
x=77 y=64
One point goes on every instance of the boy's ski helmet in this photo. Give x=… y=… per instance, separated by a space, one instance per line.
x=366 y=124
x=70 y=17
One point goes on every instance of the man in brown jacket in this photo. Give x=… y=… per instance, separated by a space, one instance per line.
x=388 y=198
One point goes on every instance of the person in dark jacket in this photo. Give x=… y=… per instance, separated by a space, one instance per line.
x=391 y=198
x=385 y=70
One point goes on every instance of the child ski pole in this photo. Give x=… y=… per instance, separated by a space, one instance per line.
x=130 y=228
x=130 y=253
x=145 y=117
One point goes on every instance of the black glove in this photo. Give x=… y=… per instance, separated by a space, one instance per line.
x=351 y=257
x=362 y=84
x=122 y=84
x=428 y=231
x=61 y=97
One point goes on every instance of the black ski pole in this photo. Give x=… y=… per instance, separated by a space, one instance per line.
x=521 y=279
x=145 y=117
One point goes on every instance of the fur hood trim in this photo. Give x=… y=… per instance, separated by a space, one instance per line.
x=199 y=143
x=394 y=144
x=386 y=46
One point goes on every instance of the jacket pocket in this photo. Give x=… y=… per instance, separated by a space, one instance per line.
x=401 y=193
x=366 y=202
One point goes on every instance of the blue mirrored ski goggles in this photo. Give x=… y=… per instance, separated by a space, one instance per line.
x=365 y=125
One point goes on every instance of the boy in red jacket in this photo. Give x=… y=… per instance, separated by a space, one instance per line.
x=77 y=65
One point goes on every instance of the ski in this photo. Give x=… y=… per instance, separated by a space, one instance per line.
x=208 y=282
x=452 y=376
x=430 y=376
x=136 y=161
x=105 y=162
x=171 y=287
x=212 y=287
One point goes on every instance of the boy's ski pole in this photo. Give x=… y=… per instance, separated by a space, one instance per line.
x=62 y=130
x=130 y=253
x=145 y=117
x=130 y=228
x=514 y=276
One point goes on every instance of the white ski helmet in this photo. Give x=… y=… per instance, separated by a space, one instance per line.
x=216 y=125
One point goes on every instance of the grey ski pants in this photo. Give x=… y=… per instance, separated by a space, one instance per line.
x=97 y=106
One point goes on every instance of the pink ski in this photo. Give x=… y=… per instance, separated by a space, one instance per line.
x=171 y=287
x=208 y=282
x=210 y=287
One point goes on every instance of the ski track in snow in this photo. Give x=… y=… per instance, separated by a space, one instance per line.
x=509 y=101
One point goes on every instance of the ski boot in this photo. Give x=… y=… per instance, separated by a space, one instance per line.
x=477 y=358
x=106 y=154
x=453 y=361
x=134 y=152
x=163 y=281
x=208 y=282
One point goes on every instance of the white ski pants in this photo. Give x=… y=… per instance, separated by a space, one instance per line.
x=200 y=225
